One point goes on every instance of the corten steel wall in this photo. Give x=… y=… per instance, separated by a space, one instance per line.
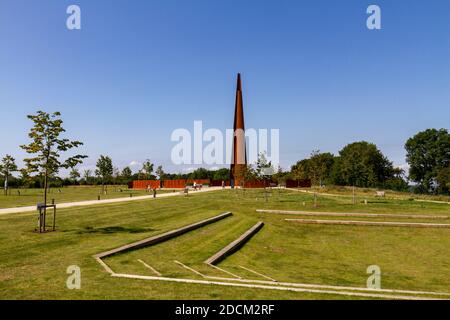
x=306 y=183
x=144 y=184
x=218 y=183
x=256 y=184
x=176 y=184
x=181 y=183
x=198 y=181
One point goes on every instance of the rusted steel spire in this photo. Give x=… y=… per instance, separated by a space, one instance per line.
x=239 y=160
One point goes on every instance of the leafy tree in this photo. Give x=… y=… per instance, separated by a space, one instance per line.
x=104 y=169
x=47 y=146
x=126 y=174
x=443 y=180
x=320 y=167
x=223 y=174
x=300 y=170
x=25 y=178
x=160 y=173
x=362 y=164
x=248 y=173
x=280 y=176
x=427 y=153
x=200 y=173
x=147 y=170
x=116 y=175
x=74 y=174
x=263 y=168
x=7 y=166
x=87 y=174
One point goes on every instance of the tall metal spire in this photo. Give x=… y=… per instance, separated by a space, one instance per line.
x=239 y=160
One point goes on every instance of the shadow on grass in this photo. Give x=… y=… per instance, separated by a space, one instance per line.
x=109 y=230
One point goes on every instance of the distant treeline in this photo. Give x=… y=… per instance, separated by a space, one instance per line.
x=120 y=179
x=359 y=164
x=362 y=164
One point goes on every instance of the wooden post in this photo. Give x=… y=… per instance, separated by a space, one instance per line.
x=54 y=216
x=354 y=199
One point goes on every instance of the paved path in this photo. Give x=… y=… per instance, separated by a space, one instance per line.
x=97 y=202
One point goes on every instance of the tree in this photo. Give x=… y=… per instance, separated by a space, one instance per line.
x=47 y=146
x=248 y=173
x=361 y=164
x=87 y=174
x=200 y=173
x=443 y=180
x=222 y=174
x=320 y=167
x=160 y=173
x=281 y=176
x=126 y=174
x=427 y=153
x=104 y=169
x=263 y=168
x=300 y=170
x=116 y=174
x=7 y=166
x=25 y=178
x=74 y=174
x=147 y=169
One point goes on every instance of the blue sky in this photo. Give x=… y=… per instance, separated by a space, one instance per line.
x=137 y=70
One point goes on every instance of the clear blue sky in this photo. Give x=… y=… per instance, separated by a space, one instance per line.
x=139 y=69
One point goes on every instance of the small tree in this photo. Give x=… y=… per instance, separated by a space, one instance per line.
x=248 y=173
x=47 y=146
x=147 y=169
x=25 y=178
x=300 y=170
x=87 y=174
x=104 y=169
x=160 y=173
x=320 y=167
x=116 y=175
x=74 y=175
x=126 y=174
x=7 y=166
x=264 y=168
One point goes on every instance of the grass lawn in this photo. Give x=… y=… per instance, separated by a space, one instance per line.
x=364 y=193
x=34 y=266
x=29 y=197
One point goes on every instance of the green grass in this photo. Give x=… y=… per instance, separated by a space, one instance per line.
x=369 y=193
x=34 y=266
x=30 y=197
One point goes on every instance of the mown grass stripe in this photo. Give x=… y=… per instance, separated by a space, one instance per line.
x=346 y=214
